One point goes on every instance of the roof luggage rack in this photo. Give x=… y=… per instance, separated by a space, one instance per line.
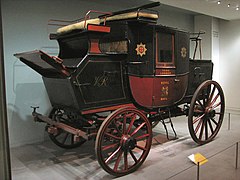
x=141 y=13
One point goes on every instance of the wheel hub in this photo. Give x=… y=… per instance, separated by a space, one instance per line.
x=128 y=143
x=210 y=112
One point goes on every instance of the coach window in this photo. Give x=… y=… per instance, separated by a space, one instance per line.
x=165 y=49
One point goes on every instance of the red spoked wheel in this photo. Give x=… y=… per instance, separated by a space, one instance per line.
x=123 y=141
x=206 y=112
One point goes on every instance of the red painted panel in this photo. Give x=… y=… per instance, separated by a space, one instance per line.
x=169 y=90
x=94 y=46
x=163 y=91
x=142 y=89
x=158 y=91
x=98 y=28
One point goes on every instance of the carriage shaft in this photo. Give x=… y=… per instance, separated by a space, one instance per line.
x=41 y=118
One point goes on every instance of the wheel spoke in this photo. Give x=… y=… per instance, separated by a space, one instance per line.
x=204 y=97
x=140 y=147
x=138 y=128
x=216 y=105
x=204 y=100
x=210 y=125
x=198 y=126
x=119 y=132
x=125 y=160
x=142 y=136
x=201 y=131
x=214 y=100
x=198 y=111
x=65 y=138
x=104 y=148
x=211 y=95
x=131 y=123
x=112 y=136
x=198 y=118
x=206 y=129
x=133 y=156
x=200 y=103
x=118 y=160
x=213 y=120
x=219 y=113
x=72 y=139
x=57 y=135
x=124 y=124
x=112 y=155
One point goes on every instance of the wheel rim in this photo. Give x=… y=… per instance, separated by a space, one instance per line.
x=62 y=138
x=122 y=145
x=206 y=112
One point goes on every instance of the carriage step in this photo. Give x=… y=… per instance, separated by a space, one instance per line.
x=166 y=129
x=168 y=121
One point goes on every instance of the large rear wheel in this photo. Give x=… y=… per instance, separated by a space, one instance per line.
x=123 y=141
x=60 y=137
x=206 y=112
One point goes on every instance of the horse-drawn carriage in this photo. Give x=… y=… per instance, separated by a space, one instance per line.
x=117 y=76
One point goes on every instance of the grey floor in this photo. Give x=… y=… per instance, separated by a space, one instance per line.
x=168 y=160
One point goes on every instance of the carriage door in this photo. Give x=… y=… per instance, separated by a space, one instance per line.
x=172 y=67
x=165 y=69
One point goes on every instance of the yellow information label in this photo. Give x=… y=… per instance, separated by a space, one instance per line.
x=198 y=158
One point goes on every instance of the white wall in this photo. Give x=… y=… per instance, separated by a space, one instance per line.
x=215 y=48
x=173 y=17
x=210 y=41
x=230 y=62
x=25 y=29
x=203 y=23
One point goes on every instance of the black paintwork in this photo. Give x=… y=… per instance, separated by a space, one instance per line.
x=200 y=70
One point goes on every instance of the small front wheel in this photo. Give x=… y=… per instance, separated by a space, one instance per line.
x=206 y=112
x=123 y=141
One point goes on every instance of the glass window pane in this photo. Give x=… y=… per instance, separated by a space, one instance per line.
x=165 y=43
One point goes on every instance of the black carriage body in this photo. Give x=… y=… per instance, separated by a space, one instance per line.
x=121 y=62
x=97 y=80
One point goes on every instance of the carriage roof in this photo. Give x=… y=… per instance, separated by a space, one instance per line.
x=103 y=19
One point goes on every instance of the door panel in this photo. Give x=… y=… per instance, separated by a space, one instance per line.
x=169 y=90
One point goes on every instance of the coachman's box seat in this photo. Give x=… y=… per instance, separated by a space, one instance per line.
x=97 y=21
x=78 y=26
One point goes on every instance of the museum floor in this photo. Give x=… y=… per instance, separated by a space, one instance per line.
x=168 y=160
